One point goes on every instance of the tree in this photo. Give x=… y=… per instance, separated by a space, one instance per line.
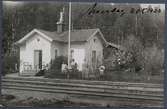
x=153 y=61
x=134 y=48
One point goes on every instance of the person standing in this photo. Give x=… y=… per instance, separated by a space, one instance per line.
x=101 y=71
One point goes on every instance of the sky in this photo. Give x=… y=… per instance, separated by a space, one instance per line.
x=162 y=6
x=12 y=3
x=17 y=3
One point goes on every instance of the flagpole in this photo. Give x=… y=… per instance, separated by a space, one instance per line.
x=69 y=35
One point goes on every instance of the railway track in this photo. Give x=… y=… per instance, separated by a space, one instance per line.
x=140 y=91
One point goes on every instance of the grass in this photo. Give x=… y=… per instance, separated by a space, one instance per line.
x=9 y=101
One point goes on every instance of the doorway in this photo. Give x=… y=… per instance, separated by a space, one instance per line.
x=38 y=59
x=94 y=59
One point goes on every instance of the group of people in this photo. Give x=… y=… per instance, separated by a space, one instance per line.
x=74 y=66
x=65 y=70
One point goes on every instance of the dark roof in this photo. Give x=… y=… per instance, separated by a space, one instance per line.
x=110 y=45
x=52 y=35
x=76 y=35
x=79 y=35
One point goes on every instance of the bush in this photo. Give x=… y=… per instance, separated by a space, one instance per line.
x=135 y=63
x=75 y=74
x=8 y=97
x=41 y=73
x=57 y=62
x=55 y=68
x=10 y=64
x=124 y=75
x=153 y=61
x=53 y=73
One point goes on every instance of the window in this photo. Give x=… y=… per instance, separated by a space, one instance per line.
x=38 y=39
x=94 y=40
x=56 y=54
x=72 y=54
x=94 y=59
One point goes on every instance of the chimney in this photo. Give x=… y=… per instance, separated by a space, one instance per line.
x=60 y=23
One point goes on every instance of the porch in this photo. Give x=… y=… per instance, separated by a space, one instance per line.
x=30 y=70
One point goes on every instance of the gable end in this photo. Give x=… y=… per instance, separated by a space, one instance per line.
x=30 y=34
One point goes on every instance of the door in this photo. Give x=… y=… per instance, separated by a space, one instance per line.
x=38 y=59
x=94 y=59
x=56 y=53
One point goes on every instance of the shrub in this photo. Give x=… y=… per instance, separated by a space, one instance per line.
x=10 y=64
x=53 y=73
x=136 y=63
x=41 y=73
x=8 y=97
x=55 y=67
x=57 y=62
x=153 y=61
x=55 y=70
x=75 y=74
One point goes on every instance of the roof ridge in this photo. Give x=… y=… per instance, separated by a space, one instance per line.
x=43 y=30
x=67 y=30
x=87 y=29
